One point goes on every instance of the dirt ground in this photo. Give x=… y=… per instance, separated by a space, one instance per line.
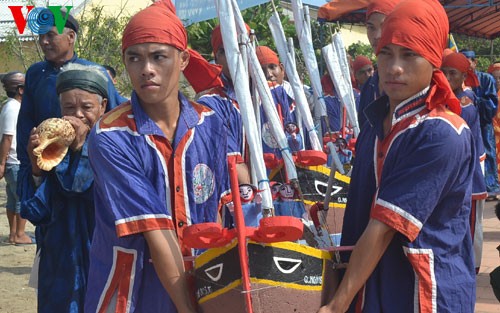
x=15 y=268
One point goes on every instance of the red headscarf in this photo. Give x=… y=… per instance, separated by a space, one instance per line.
x=266 y=55
x=216 y=39
x=359 y=62
x=422 y=26
x=381 y=6
x=462 y=64
x=159 y=24
x=493 y=67
x=447 y=51
x=327 y=84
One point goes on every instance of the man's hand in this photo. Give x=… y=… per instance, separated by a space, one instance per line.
x=81 y=131
x=33 y=142
x=2 y=170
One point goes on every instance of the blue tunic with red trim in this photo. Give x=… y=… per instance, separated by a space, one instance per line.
x=144 y=183
x=417 y=180
x=223 y=101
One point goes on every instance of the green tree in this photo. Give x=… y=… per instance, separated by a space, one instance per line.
x=487 y=51
x=98 y=40
x=360 y=48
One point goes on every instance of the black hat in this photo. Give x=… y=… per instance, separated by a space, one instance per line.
x=70 y=22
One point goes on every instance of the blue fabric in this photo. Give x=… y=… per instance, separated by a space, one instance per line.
x=136 y=191
x=282 y=103
x=369 y=93
x=289 y=208
x=486 y=103
x=40 y=102
x=62 y=209
x=421 y=177
x=469 y=54
x=295 y=144
x=252 y=212
x=334 y=112
x=223 y=102
x=471 y=116
x=11 y=171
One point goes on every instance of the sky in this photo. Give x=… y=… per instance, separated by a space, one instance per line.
x=199 y=10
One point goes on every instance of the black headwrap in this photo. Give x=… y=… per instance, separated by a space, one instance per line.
x=82 y=79
x=71 y=22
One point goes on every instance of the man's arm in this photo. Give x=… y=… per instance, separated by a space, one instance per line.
x=5 y=144
x=365 y=257
x=169 y=266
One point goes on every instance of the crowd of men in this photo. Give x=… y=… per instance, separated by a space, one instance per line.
x=110 y=217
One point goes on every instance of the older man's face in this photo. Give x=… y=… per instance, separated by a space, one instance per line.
x=56 y=47
x=83 y=105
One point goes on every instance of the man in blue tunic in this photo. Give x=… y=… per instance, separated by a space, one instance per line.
x=333 y=105
x=486 y=103
x=459 y=73
x=62 y=207
x=40 y=100
x=410 y=195
x=160 y=166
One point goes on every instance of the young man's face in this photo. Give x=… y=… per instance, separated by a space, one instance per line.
x=496 y=75
x=473 y=63
x=57 y=47
x=374 y=28
x=83 y=105
x=220 y=58
x=363 y=74
x=154 y=70
x=402 y=72
x=455 y=78
x=274 y=72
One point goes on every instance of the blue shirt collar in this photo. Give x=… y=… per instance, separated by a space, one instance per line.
x=377 y=110
x=188 y=118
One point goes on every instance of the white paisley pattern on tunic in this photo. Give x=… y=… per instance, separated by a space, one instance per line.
x=203 y=183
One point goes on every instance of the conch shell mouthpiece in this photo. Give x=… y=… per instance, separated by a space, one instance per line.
x=56 y=135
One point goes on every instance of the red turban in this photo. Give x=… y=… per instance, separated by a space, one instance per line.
x=327 y=84
x=216 y=39
x=447 y=51
x=381 y=6
x=462 y=64
x=359 y=62
x=266 y=55
x=493 y=67
x=422 y=26
x=159 y=24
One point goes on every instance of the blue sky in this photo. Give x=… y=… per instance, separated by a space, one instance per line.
x=317 y=3
x=198 y=10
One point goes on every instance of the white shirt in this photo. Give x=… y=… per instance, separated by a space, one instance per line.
x=8 y=125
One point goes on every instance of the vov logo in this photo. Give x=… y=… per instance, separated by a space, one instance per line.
x=40 y=20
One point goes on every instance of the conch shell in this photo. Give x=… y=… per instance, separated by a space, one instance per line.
x=56 y=135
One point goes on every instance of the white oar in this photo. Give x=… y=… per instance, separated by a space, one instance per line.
x=242 y=90
x=293 y=76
